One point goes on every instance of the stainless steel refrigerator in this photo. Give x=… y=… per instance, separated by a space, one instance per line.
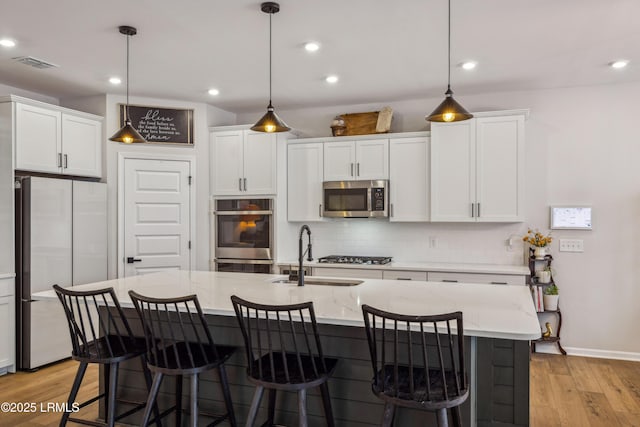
x=61 y=238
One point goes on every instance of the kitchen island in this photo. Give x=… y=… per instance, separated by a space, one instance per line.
x=499 y=321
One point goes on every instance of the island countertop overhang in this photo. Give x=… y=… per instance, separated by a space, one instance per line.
x=490 y=311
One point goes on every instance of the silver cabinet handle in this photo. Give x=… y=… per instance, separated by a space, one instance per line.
x=351 y=169
x=472 y=210
x=66 y=161
x=245 y=184
x=240 y=184
x=499 y=283
x=404 y=278
x=449 y=281
x=320 y=210
x=391 y=209
x=59 y=160
x=478 y=209
x=358 y=168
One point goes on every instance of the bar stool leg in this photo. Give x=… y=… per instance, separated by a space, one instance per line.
x=151 y=400
x=178 y=400
x=194 y=400
x=326 y=402
x=442 y=418
x=272 y=406
x=302 y=407
x=74 y=391
x=113 y=386
x=148 y=381
x=222 y=372
x=455 y=416
x=387 y=416
x=255 y=405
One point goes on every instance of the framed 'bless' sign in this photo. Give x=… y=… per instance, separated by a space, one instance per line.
x=160 y=125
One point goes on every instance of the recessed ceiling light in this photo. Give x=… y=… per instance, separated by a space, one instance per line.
x=619 y=64
x=332 y=79
x=311 y=46
x=115 y=80
x=469 y=65
x=7 y=43
x=214 y=92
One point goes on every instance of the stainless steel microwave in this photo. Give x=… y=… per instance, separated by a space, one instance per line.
x=356 y=199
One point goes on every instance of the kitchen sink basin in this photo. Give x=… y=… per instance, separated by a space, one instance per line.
x=323 y=282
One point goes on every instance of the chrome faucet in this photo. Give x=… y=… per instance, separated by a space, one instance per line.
x=301 y=254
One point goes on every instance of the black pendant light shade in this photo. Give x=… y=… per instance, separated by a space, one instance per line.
x=449 y=110
x=128 y=134
x=270 y=122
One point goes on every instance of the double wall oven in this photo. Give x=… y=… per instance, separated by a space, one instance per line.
x=244 y=235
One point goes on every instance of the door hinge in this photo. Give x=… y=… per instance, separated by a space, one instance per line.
x=189 y=179
x=189 y=244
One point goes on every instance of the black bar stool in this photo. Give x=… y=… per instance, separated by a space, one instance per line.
x=284 y=353
x=179 y=343
x=100 y=334
x=415 y=367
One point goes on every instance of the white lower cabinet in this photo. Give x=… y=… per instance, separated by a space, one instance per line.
x=7 y=331
x=492 y=279
x=404 y=275
x=356 y=273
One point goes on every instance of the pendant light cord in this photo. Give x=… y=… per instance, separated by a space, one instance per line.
x=128 y=37
x=270 y=15
x=449 y=51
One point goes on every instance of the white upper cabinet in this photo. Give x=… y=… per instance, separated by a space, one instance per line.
x=243 y=162
x=304 y=181
x=409 y=179
x=56 y=140
x=356 y=160
x=477 y=169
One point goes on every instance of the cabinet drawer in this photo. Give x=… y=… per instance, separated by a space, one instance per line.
x=496 y=279
x=357 y=273
x=404 y=275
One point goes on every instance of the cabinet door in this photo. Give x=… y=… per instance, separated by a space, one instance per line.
x=339 y=161
x=409 y=179
x=259 y=163
x=7 y=334
x=304 y=182
x=226 y=164
x=81 y=146
x=355 y=273
x=453 y=171
x=500 y=168
x=372 y=159
x=38 y=139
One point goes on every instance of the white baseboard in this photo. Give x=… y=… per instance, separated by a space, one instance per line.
x=603 y=354
x=551 y=348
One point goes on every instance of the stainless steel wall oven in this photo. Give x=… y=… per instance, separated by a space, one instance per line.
x=244 y=235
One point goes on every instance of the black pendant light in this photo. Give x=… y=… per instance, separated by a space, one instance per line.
x=128 y=134
x=449 y=110
x=270 y=122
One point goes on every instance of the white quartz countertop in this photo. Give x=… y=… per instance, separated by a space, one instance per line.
x=492 y=311
x=521 y=270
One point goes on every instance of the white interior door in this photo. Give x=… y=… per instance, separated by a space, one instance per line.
x=156 y=215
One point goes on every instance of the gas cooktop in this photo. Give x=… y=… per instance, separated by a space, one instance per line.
x=350 y=259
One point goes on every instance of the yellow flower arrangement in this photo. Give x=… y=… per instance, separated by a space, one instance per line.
x=537 y=239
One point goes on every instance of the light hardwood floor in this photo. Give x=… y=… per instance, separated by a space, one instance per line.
x=565 y=391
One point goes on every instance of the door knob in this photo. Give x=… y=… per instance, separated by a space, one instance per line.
x=131 y=260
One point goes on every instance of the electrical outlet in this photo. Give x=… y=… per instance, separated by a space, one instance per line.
x=571 y=245
x=433 y=242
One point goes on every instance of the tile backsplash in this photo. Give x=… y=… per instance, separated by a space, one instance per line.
x=411 y=242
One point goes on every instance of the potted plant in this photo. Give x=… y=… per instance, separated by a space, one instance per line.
x=544 y=276
x=551 y=297
x=539 y=241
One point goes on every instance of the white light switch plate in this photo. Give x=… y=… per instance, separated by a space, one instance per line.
x=571 y=245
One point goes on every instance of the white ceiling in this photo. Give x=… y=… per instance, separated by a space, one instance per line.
x=382 y=50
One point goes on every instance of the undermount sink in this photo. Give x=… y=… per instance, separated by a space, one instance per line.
x=324 y=282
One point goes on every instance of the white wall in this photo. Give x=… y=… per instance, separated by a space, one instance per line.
x=581 y=148
x=204 y=116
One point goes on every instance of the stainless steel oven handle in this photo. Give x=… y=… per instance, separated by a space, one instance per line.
x=231 y=213
x=243 y=261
